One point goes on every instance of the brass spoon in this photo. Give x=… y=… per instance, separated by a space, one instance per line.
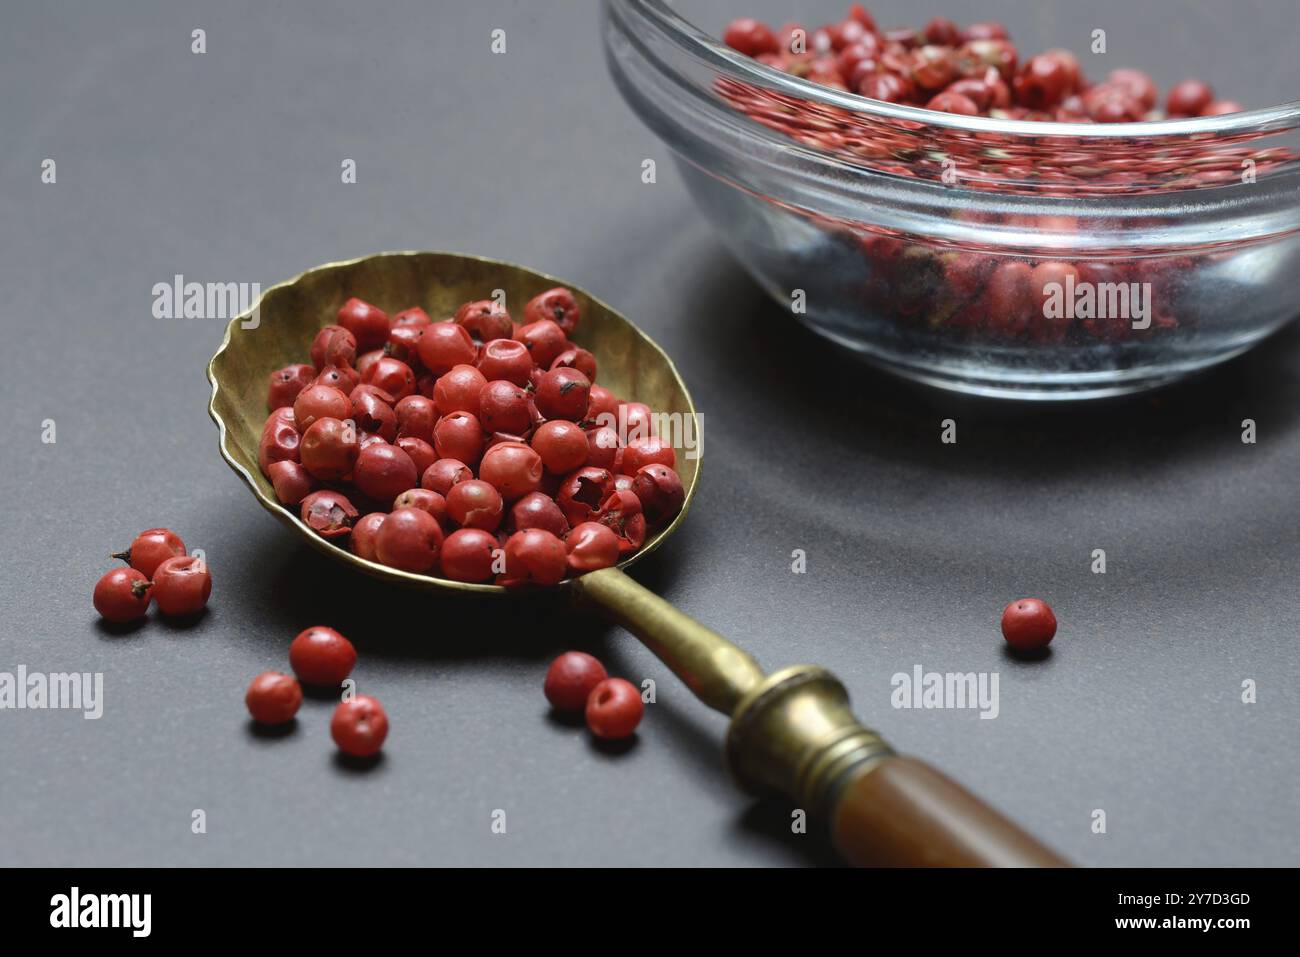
x=791 y=731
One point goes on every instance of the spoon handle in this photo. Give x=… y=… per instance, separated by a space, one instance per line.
x=716 y=671
x=792 y=733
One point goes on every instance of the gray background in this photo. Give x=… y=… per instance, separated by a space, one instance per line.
x=225 y=167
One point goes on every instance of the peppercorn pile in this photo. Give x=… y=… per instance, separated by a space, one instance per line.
x=475 y=448
x=972 y=71
x=157 y=569
x=977 y=71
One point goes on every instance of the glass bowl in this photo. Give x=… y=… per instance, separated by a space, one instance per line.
x=1000 y=257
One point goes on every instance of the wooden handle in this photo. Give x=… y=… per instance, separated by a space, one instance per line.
x=904 y=813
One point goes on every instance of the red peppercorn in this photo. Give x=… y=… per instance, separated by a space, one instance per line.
x=342 y=377
x=393 y=376
x=660 y=491
x=319 y=401
x=475 y=504
x=122 y=595
x=943 y=32
x=887 y=87
x=503 y=407
x=181 y=585
x=950 y=102
x=533 y=556
x=614 y=709
x=328 y=513
x=1112 y=103
x=458 y=390
x=444 y=345
x=975 y=89
x=321 y=656
x=364 y=533
x=993 y=52
x=359 y=726
x=403 y=344
x=373 y=413
x=292 y=482
x=582 y=492
x=415 y=316
x=443 y=474
x=367 y=359
x=410 y=540
x=579 y=359
x=286 y=383
x=570 y=680
x=591 y=546
x=273 y=698
x=333 y=346
x=484 y=320
x=563 y=394
x=621 y=512
x=750 y=37
x=367 y=323
x=1137 y=84
x=1028 y=624
x=150 y=549
x=507 y=359
x=459 y=435
x=934 y=67
x=602 y=402
x=329 y=449
x=556 y=304
x=1188 y=98
x=544 y=340
x=420 y=451
x=382 y=472
x=602 y=447
x=538 y=510
x=468 y=554
x=562 y=446
x=424 y=499
x=1009 y=297
x=512 y=468
x=644 y=451
x=416 y=416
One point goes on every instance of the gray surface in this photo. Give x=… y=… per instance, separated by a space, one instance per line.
x=225 y=167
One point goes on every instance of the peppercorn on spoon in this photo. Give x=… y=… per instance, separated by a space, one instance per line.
x=791 y=731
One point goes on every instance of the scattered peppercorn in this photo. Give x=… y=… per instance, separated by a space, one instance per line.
x=1028 y=624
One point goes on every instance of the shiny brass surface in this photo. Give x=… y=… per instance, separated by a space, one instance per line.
x=719 y=673
x=794 y=734
x=290 y=314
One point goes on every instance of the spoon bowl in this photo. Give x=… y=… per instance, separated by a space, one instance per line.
x=279 y=328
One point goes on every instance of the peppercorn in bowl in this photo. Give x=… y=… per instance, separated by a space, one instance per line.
x=968 y=214
x=434 y=441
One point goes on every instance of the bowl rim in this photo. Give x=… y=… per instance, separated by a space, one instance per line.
x=657 y=15
x=293 y=519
